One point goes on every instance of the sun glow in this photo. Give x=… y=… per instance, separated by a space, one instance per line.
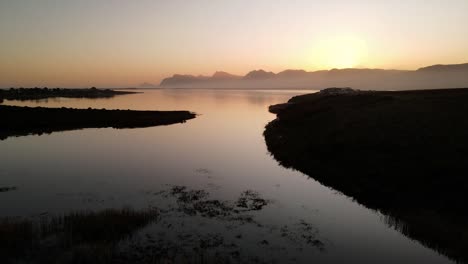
x=340 y=52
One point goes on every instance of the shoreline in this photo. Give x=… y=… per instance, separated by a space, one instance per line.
x=402 y=153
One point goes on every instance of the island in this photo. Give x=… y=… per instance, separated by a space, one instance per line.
x=44 y=93
x=402 y=153
x=22 y=121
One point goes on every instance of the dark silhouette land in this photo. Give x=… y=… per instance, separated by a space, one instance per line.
x=403 y=153
x=44 y=93
x=21 y=121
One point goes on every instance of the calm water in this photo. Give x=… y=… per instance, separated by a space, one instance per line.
x=223 y=152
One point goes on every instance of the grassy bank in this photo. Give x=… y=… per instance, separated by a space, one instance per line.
x=18 y=121
x=403 y=153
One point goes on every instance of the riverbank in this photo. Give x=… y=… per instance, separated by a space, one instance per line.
x=403 y=153
x=21 y=121
x=44 y=93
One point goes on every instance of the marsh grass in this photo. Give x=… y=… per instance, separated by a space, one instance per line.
x=72 y=238
x=171 y=234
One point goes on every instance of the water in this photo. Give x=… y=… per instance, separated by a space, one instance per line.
x=223 y=152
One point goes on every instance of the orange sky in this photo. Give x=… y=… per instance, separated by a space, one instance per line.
x=124 y=43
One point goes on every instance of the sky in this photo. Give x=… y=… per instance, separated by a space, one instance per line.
x=122 y=43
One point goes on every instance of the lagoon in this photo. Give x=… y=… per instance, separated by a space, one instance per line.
x=221 y=152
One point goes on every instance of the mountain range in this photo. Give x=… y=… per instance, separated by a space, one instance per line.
x=431 y=77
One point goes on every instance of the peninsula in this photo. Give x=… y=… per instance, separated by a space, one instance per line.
x=402 y=153
x=22 y=121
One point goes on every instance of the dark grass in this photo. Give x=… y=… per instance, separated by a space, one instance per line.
x=403 y=153
x=20 y=121
x=71 y=238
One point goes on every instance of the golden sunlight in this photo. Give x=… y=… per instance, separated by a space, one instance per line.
x=340 y=52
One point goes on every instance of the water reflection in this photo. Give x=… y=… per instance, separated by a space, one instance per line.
x=442 y=232
x=221 y=152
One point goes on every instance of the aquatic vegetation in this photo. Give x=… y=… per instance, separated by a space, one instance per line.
x=303 y=232
x=195 y=202
x=233 y=215
x=251 y=201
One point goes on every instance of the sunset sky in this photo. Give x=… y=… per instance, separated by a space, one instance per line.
x=117 y=43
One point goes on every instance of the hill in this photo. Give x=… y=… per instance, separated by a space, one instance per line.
x=432 y=77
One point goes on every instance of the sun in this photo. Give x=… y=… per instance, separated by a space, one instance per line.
x=339 y=52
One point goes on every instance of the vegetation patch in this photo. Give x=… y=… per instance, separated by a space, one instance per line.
x=72 y=238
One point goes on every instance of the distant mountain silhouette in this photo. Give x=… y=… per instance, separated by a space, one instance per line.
x=178 y=79
x=259 y=75
x=432 y=77
x=220 y=75
x=292 y=74
x=446 y=68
